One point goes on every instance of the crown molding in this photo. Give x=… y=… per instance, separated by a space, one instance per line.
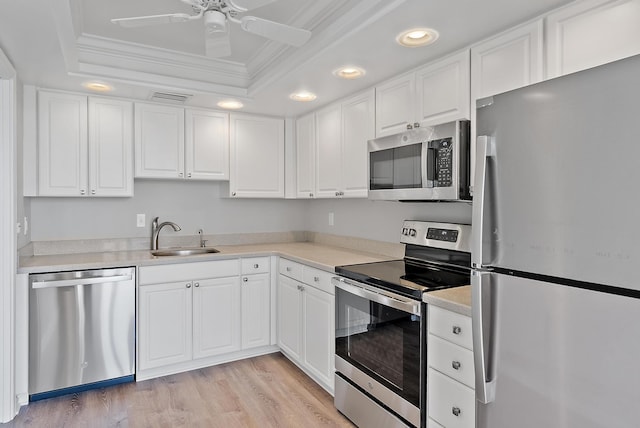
x=351 y=21
x=64 y=17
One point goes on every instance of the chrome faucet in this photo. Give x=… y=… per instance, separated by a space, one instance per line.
x=203 y=242
x=156 y=228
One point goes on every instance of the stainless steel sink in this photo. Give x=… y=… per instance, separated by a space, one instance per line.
x=183 y=251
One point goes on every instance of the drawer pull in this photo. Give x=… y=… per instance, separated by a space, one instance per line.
x=256 y=266
x=455 y=365
x=288 y=269
x=456 y=329
x=316 y=278
x=456 y=411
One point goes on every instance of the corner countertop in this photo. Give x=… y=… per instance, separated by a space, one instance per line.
x=456 y=299
x=320 y=256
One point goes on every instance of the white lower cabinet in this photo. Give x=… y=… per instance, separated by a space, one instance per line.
x=450 y=373
x=193 y=315
x=306 y=320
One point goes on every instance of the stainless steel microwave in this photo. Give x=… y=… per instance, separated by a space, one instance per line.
x=424 y=164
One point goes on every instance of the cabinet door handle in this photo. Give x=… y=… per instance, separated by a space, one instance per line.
x=196 y=284
x=302 y=288
x=456 y=329
x=188 y=285
x=82 y=191
x=456 y=411
x=416 y=124
x=180 y=174
x=311 y=195
x=245 y=279
x=256 y=266
x=337 y=193
x=409 y=126
x=233 y=194
x=93 y=192
x=189 y=175
x=455 y=365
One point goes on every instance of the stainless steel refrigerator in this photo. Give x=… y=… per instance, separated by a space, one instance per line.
x=556 y=253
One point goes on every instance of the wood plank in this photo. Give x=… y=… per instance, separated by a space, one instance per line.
x=265 y=391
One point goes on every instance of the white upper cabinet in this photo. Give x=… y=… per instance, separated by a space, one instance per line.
x=305 y=156
x=443 y=90
x=510 y=60
x=84 y=146
x=358 y=124
x=328 y=152
x=342 y=132
x=589 y=33
x=206 y=145
x=159 y=141
x=257 y=156
x=433 y=94
x=110 y=147
x=395 y=105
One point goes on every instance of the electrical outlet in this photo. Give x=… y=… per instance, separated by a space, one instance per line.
x=140 y=220
x=331 y=219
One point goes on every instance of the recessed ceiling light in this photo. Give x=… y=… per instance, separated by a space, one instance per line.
x=230 y=104
x=98 y=86
x=349 y=72
x=303 y=96
x=417 y=37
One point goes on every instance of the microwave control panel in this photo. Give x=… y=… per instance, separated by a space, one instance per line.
x=444 y=162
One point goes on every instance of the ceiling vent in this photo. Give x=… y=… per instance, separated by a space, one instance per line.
x=170 y=96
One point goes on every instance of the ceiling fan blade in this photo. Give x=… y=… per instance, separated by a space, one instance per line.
x=141 y=21
x=217 y=44
x=275 y=31
x=246 y=5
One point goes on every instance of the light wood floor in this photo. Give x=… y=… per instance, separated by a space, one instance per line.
x=266 y=391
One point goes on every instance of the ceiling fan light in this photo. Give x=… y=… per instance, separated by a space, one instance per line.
x=416 y=37
x=215 y=21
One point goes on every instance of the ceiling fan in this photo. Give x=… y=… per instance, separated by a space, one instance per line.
x=216 y=14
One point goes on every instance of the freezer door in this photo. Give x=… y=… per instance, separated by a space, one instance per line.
x=561 y=177
x=557 y=356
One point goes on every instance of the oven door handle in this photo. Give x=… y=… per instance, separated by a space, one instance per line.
x=378 y=296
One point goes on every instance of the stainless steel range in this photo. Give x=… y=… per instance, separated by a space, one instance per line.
x=381 y=324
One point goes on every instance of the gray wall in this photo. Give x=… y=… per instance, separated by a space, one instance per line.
x=195 y=205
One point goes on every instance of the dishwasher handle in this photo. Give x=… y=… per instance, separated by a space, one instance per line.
x=80 y=281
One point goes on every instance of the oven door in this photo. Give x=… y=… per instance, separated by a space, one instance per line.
x=379 y=345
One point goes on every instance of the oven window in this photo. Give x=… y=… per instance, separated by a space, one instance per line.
x=397 y=168
x=381 y=341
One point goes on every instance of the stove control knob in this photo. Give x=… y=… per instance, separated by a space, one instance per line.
x=412 y=232
x=405 y=231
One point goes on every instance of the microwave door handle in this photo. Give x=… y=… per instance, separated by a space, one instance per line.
x=429 y=166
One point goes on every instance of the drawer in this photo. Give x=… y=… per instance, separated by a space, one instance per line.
x=255 y=265
x=290 y=269
x=450 y=326
x=319 y=279
x=187 y=271
x=452 y=360
x=450 y=403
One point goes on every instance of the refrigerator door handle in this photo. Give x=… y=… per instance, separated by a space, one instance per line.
x=483 y=340
x=484 y=150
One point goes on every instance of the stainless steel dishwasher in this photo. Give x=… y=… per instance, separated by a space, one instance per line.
x=81 y=330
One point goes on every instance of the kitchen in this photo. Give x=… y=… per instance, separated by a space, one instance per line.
x=196 y=204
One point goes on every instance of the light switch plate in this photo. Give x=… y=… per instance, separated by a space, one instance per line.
x=140 y=220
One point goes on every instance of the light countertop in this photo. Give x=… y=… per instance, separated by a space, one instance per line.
x=456 y=299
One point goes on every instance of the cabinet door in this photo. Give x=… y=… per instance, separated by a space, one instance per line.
x=589 y=33
x=110 y=147
x=216 y=316
x=395 y=105
x=442 y=89
x=207 y=145
x=358 y=126
x=159 y=141
x=305 y=156
x=328 y=152
x=289 y=317
x=257 y=156
x=318 y=310
x=164 y=331
x=62 y=144
x=256 y=313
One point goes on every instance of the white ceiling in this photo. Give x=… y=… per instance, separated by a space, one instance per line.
x=62 y=43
